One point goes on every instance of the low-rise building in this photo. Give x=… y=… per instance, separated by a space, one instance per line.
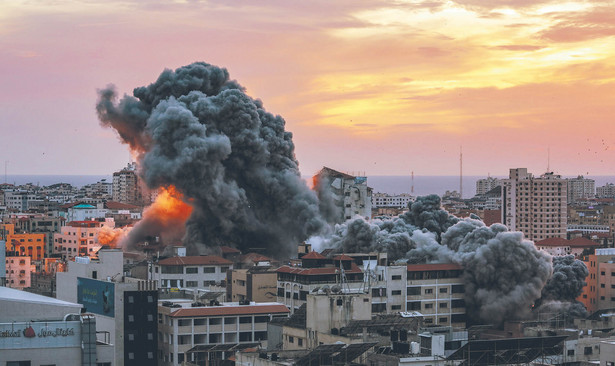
x=18 y=271
x=190 y=330
x=191 y=271
x=40 y=330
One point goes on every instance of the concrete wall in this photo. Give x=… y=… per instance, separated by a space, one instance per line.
x=327 y=311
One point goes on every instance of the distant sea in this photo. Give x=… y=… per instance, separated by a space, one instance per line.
x=392 y=184
x=47 y=180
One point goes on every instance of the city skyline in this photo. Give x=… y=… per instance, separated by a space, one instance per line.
x=380 y=87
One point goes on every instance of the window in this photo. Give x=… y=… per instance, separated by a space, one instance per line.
x=396 y=277
x=428 y=306
x=395 y=307
x=230 y=320
x=131 y=318
x=192 y=270
x=395 y=292
x=291 y=339
x=209 y=269
x=192 y=283
x=300 y=341
x=245 y=319
x=458 y=303
x=458 y=289
x=413 y=291
x=443 y=305
x=443 y=290
x=428 y=291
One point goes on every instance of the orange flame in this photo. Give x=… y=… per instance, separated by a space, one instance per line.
x=169 y=206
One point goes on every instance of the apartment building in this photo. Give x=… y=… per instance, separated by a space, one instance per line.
x=580 y=188
x=606 y=191
x=562 y=247
x=126 y=187
x=350 y=193
x=18 y=271
x=257 y=283
x=80 y=238
x=196 y=333
x=316 y=271
x=31 y=245
x=486 y=184
x=191 y=271
x=391 y=201
x=537 y=207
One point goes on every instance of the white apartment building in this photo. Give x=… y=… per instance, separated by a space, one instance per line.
x=535 y=206
x=79 y=238
x=485 y=185
x=187 y=331
x=606 y=191
x=580 y=188
x=17 y=200
x=191 y=271
x=392 y=201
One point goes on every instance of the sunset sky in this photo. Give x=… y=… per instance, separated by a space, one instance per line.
x=381 y=87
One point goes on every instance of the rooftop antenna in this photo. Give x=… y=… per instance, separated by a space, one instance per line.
x=412 y=187
x=461 y=171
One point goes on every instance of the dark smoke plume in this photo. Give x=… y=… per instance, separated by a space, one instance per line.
x=503 y=273
x=563 y=288
x=197 y=130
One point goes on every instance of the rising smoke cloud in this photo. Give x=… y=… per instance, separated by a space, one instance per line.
x=198 y=131
x=504 y=274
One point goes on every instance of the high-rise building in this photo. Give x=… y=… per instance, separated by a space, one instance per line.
x=485 y=185
x=126 y=188
x=350 y=194
x=535 y=206
x=580 y=188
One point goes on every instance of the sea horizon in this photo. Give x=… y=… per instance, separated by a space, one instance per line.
x=390 y=184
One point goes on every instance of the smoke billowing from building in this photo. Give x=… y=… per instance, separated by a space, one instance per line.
x=232 y=164
x=504 y=274
x=198 y=131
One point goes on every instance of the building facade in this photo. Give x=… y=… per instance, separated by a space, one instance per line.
x=80 y=238
x=350 y=193
x=580 y=188
x=191 y=271
x=537 y=207
x=486 y=184
x=126 y=187
x=188 y=330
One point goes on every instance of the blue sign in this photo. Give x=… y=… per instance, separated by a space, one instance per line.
x=97 y=297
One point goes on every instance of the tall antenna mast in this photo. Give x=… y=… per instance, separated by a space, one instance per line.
x=461 y=171
x=412 y=180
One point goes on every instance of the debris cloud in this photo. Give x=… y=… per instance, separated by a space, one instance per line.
x=198 y=130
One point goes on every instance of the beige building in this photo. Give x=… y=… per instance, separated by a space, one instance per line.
x=258 y=284
x=535 y=206
x=126 y=187
x=485 y=185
